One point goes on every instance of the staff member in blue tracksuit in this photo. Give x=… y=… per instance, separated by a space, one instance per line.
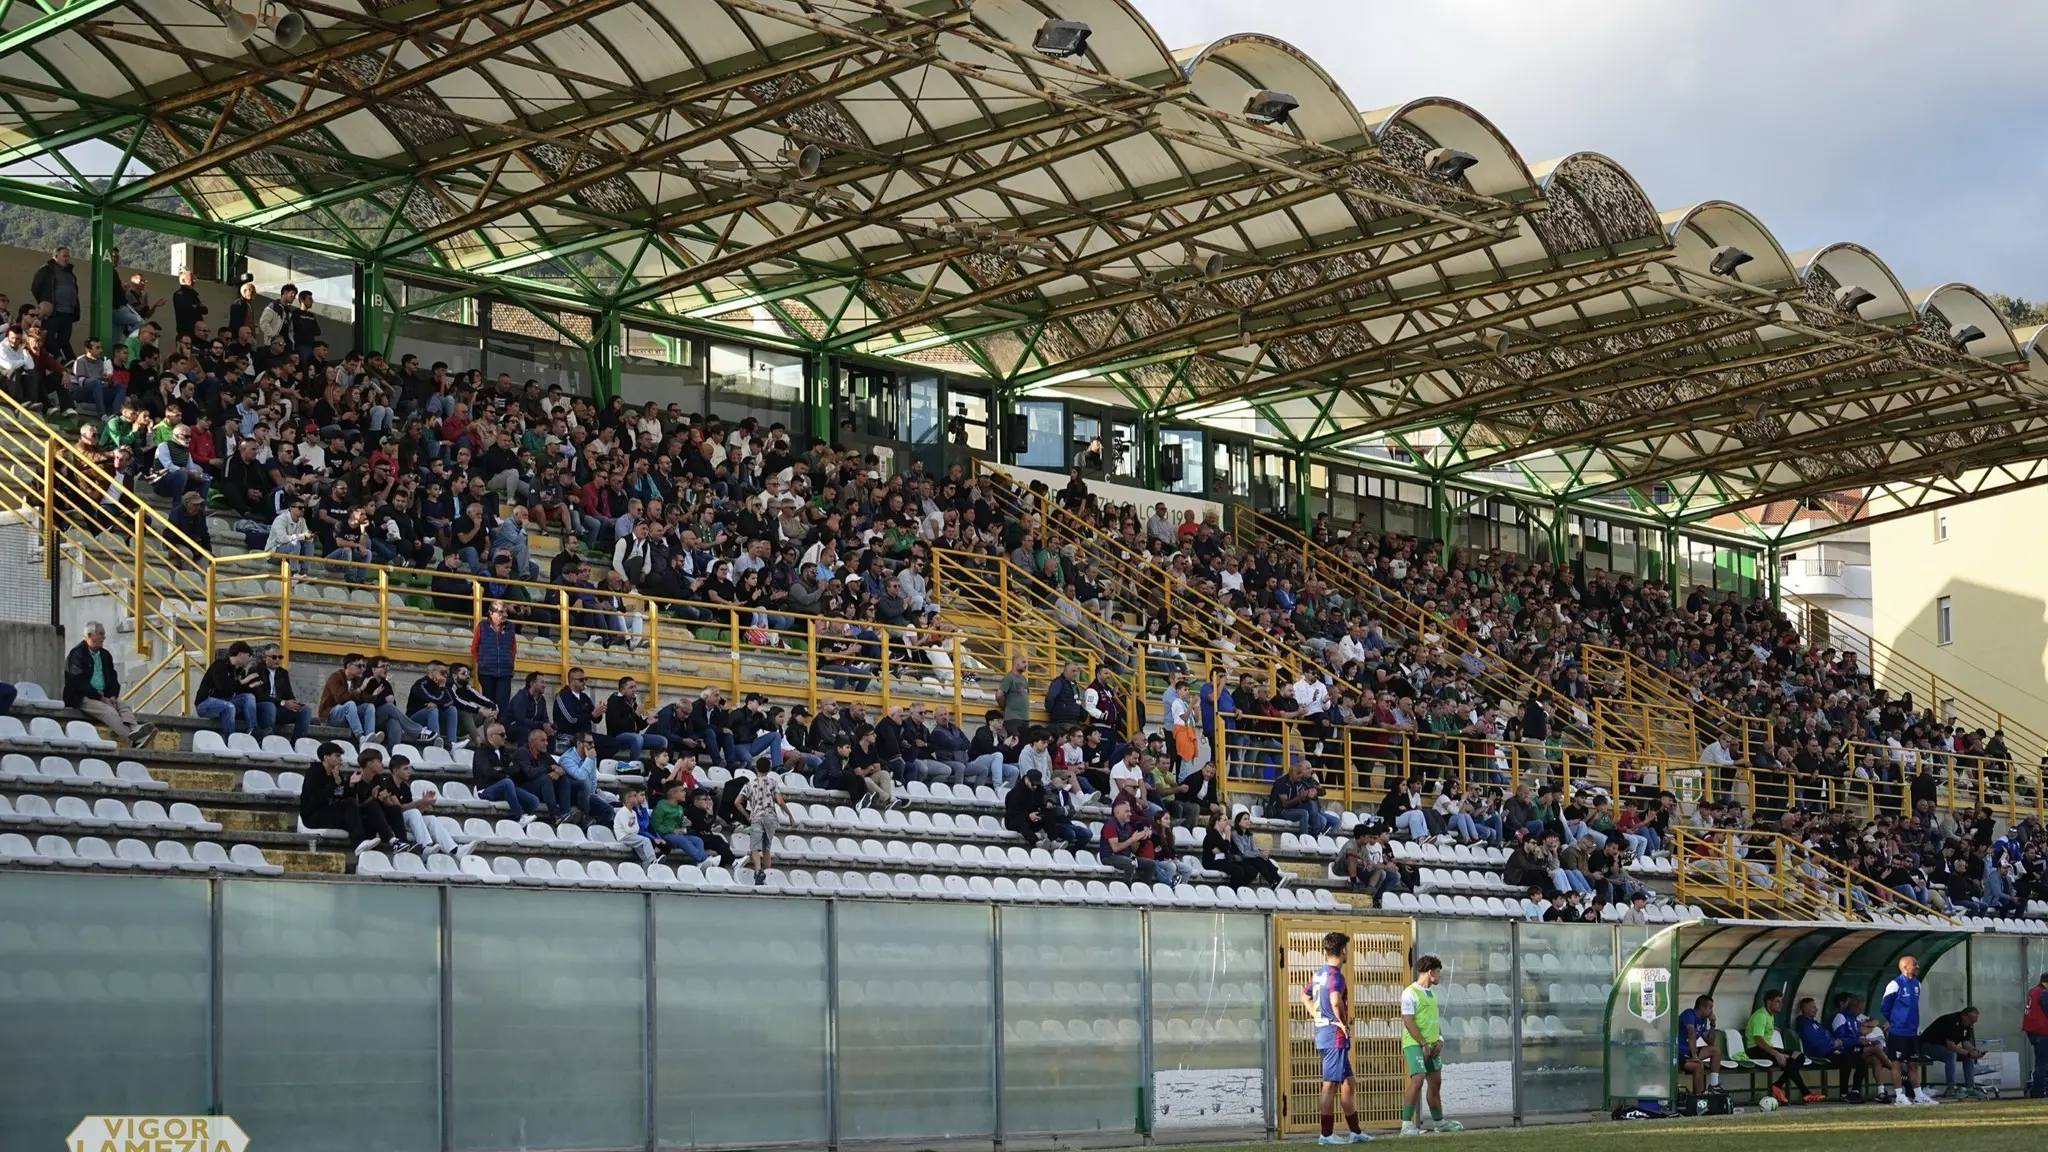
x=1900 y=1011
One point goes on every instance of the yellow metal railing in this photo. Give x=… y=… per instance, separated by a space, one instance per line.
x=114 y=541
x=1757 y=875
x=1499 y=676
x=1880 y=779
x=674 y=648
x=1143 y=588
x=1638 y=703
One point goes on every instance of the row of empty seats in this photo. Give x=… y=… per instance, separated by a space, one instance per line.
x=46 y=732
x=132 y=854
x=106 y=812
x=541 y=870
x=1496 y=906
x=128 y=775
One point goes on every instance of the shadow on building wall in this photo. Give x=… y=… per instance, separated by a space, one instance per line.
x=1996 y=656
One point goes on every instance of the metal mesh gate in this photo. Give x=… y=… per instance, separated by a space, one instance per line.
x=1379 y=959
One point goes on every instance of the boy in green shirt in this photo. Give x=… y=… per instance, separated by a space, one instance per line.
x=668 y=814
x=1422 y=1050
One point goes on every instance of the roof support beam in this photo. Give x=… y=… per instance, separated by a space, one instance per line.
x=854 y=74
x=569 y=15
x=57 y=16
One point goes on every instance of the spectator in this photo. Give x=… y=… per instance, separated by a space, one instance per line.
x=536 y=770
x=763 y=806
x=92 y=685
x=633 y=824
x=176 y=471
x=628 y=737
x=1199 y=796
x=1365 y=864
x=1127 y=842
x=495 y=648
x=416 y=812
x=491 y=767
x=388 y=720
x=528 y=712
x=870 y=780
x=227 y=692
x=579 y=776
x=1013 y=695
x=8 y=694
x=1638 y=913
x=1230 y=849
x=702 y=819
x=275 y=699
x=1169 y=864
x=1952 y=1039
x=291 y=534
x=996 y=748
x=1063 y=806
x=668 y=825
x=575 y=712
x=1297 y=797
x=345 y=702
x=1024 y=808
x=1063 y=698
x=431 y=705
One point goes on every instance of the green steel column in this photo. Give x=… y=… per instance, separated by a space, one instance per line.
x=1771 y=558
x=822 y=389
x=1302 y=513
x=1440 y=518
x=604 y=355
x=1671 y=572
x=1148 y=448
x=376 y=323
x=100 y=277
x=1559 y=534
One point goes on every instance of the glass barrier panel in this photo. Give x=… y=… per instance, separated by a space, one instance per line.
x=916 y=1021
x=1071 y=1006
x=1475 y=999
x=1567 y=970
x=1211 y=1007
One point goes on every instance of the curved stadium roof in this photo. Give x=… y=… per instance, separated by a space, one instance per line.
x=1111 y=224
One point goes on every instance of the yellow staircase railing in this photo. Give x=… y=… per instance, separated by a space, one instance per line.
x=1638 y=705
x=1142 y=587
x=114 y=542
x=1757 y=875
x=1359 y=586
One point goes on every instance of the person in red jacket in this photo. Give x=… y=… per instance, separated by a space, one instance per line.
x=2034 y=1022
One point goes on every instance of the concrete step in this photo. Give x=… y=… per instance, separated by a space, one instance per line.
x=252 y=819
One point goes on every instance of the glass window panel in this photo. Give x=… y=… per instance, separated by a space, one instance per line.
x=1044 y=446
x=109 y=975
x=922 y=411
x=916 y=1021
x=1189 y=442
x=303 y=966
x=968 y=426
x=1210 y=1007
x=548 y=987
x=1071 y=996
x=1567 y=971
x=752 y=974
x=1998 y=982
x=1475 y=1000
x=1944 y=984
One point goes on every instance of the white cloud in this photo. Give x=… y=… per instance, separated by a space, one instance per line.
x=1910 y=128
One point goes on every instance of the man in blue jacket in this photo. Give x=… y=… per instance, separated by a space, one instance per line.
x=1900 y=1011
x=1825 y=1049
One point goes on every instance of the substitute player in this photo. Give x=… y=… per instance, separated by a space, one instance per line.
x=1328 y=1000
x=1422 y=1048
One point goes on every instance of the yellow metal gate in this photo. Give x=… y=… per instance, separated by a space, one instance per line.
x=1379 y=959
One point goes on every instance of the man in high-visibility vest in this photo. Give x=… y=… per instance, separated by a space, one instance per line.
x=2034 y=1022
x=1422 y=1050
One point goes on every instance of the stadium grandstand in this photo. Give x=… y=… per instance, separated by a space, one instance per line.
x=608 y=573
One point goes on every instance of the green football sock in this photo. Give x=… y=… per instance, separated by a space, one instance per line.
x=1436 y=1113
x=1408 y=1113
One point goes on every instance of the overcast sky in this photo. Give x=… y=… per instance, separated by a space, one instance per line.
x=1913 y=129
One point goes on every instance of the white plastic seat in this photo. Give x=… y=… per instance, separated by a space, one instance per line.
x=99 y=854
x=134 y=773
x=374 y=863
x=257 y=782
x=15 y=766
x=138 y=855
x=251 y=859
x=189 y=816
x=207 y=742
x=178 y=856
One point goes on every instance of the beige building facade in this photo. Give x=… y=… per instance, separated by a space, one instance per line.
x=1961 y=595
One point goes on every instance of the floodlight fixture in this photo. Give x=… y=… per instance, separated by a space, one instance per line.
x=1850 y=297
x=1265 y=106
x=1061 y=39
x=1213 y=266
x=1448 y=164
x=1963 y=335
x=1727 y=260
